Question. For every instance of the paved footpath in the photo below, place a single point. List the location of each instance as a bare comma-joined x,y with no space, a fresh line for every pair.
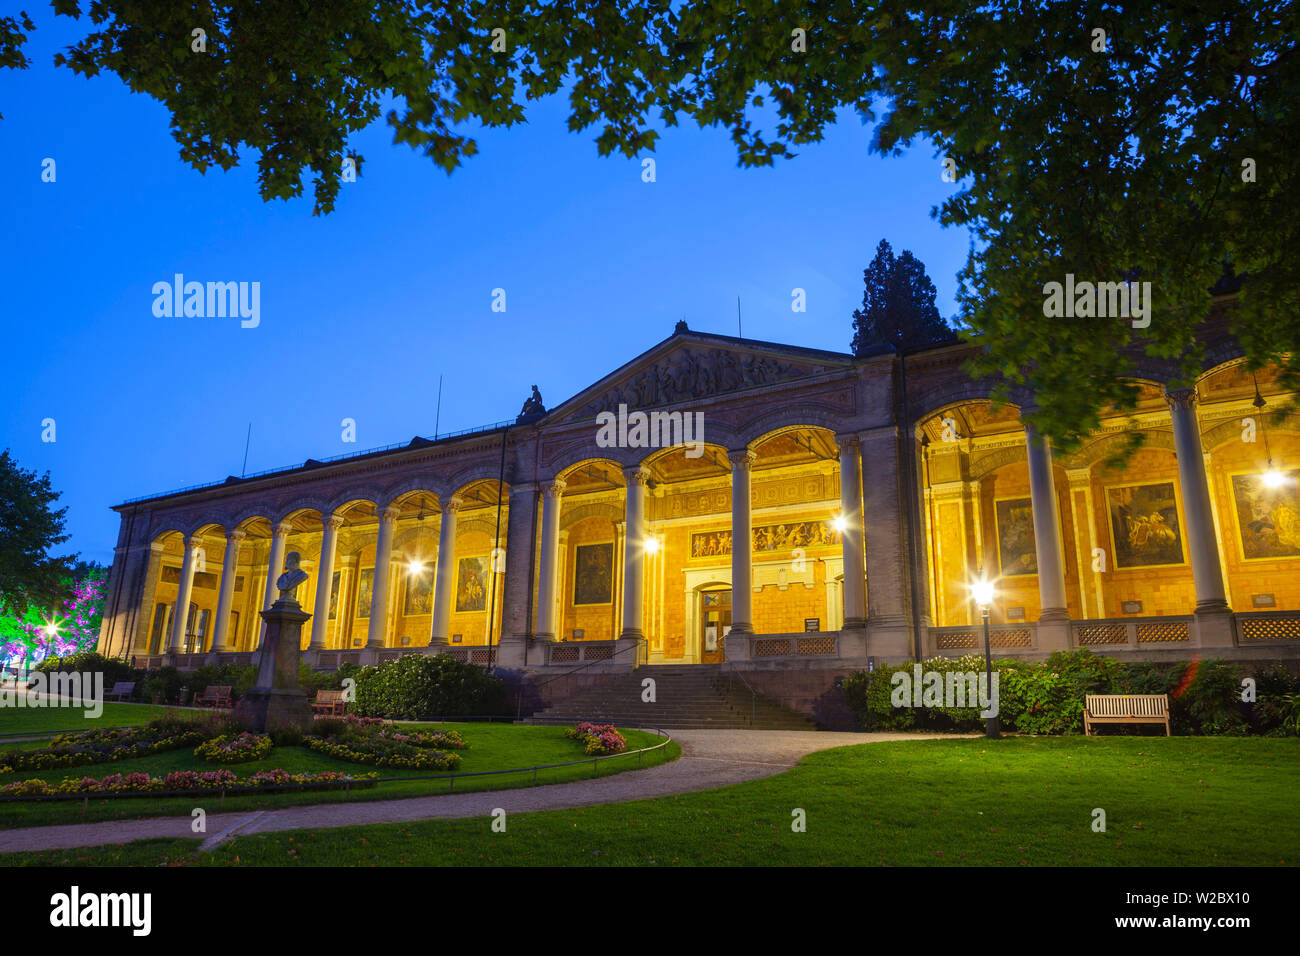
710,758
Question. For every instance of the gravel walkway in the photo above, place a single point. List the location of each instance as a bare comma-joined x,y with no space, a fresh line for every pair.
710,758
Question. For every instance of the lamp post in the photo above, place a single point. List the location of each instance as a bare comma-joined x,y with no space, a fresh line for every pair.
982,591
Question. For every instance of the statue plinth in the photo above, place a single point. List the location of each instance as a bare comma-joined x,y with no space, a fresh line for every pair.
277,700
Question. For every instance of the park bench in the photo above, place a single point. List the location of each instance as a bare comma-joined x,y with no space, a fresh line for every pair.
1125,709
328,702
122,690
216,695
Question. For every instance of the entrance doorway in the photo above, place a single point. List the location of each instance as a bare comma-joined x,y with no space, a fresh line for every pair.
715,624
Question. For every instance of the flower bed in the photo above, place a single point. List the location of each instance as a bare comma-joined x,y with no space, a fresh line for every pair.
381,751
598,738
100,746
234,748
438,739
178,780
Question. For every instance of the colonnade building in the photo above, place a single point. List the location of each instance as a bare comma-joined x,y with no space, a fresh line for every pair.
818,510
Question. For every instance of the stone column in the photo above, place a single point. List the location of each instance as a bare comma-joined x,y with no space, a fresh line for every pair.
634,552
444,582
183,594
742,543
146,610
275,564
520,573
883,516
377,626
226,596
1053,617
552,495
1213,614
855,592
324,580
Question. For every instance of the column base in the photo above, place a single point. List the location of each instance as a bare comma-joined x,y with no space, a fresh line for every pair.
439,642
1053,630
736,647
633,632
263,707
741,628
1214,628
854,623
510,651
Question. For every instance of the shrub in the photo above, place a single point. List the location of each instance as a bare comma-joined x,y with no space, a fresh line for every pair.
416,686
89,662
1048,697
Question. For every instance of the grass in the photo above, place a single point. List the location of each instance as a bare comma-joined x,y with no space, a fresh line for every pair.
1184,801
50,720
493,746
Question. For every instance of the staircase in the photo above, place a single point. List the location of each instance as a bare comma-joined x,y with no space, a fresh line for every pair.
686,696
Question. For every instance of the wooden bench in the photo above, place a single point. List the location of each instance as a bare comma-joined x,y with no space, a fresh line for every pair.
328,702
122,690
216,695
1125,709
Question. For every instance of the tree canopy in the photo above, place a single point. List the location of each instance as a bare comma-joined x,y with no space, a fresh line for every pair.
29,527
898,310
1096,140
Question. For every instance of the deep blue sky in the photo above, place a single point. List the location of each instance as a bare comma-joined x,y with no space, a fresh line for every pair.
363,309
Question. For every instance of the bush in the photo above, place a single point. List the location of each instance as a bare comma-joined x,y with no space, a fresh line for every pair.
1047,697
89,662
416,686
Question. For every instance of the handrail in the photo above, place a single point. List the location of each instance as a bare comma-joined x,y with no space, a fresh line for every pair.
636,646
753,699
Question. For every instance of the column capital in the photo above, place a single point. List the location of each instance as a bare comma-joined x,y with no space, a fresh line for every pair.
638,474
390,513
847,440
237,535
283,529
741,458
1182,399
554,489
331,522
453,503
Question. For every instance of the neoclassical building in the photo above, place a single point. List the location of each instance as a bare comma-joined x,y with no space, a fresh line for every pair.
827,509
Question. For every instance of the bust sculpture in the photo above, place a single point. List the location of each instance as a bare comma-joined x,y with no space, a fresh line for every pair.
292,577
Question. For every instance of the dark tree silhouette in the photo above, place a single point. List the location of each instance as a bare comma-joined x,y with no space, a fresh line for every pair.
28,529
898,309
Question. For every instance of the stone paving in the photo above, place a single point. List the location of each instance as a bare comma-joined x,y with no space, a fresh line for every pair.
710,758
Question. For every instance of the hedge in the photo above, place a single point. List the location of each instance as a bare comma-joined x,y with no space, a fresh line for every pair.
417,686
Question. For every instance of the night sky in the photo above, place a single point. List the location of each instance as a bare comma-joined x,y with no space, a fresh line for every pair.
362,310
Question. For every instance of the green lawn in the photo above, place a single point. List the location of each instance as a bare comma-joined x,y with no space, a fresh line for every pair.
47,720
1183,801
493,746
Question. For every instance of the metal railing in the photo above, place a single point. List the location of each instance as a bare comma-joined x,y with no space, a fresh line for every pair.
417,442
640,645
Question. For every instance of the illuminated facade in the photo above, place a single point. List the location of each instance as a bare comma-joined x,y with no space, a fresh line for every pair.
560,539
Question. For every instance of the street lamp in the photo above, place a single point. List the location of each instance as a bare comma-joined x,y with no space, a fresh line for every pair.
982,592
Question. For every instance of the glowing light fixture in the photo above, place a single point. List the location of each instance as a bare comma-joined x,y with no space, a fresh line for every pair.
1271,478
651,545
840,523
415,567
982,592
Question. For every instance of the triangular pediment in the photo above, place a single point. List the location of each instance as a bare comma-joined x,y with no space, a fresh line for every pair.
691,366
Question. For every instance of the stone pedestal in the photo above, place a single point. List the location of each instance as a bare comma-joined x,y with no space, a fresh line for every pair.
276,700
1215,628
510,651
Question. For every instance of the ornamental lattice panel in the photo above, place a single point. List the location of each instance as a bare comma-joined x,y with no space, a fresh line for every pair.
772,647
601,652
1270,629
480,655
817,645
956,640
1162,632
1017,638
1090,634
564,655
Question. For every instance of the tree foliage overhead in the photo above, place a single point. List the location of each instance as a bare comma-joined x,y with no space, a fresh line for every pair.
1119,155
898,310
28,529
